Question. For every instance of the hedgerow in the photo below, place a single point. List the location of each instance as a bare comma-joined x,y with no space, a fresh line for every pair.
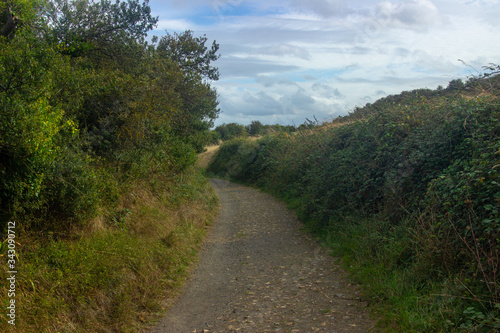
407,191
99,130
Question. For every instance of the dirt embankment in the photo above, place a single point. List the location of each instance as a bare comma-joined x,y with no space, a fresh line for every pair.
259,272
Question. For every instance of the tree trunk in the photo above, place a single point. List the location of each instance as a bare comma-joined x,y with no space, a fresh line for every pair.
10,23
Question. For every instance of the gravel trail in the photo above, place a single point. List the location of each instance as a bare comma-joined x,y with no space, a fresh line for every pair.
259,272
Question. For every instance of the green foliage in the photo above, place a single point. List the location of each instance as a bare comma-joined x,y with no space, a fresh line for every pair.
190,53
81,27
195,97
213,138
28,123
117,278
406,189
223,156
163,159
84,99
255,129
89,113
457,84
231,131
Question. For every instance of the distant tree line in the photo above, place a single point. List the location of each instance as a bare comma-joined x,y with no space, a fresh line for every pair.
230,131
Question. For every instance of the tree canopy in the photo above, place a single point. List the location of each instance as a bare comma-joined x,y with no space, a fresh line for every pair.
81,26
193,57
83,96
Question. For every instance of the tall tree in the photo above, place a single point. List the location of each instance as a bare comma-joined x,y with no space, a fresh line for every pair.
81,26
199,99
255,128
191,53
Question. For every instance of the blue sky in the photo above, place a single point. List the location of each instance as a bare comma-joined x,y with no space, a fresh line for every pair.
283,61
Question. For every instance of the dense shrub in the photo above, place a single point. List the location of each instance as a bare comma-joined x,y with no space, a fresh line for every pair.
415,175
82,104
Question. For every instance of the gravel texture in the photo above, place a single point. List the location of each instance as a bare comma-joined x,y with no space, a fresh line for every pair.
260,272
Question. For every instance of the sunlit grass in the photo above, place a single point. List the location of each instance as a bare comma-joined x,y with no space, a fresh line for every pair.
113,278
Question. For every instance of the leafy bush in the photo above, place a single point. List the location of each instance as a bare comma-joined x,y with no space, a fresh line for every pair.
90,113
411,183
82,103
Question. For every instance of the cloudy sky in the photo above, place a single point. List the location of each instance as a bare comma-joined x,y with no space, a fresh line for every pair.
283,61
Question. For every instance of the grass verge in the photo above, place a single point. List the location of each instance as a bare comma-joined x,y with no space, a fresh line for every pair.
408,294
118,275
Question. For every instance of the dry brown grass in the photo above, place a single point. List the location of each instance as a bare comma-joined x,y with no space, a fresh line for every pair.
204,158
485,95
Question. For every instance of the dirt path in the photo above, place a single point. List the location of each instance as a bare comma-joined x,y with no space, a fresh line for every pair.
258,272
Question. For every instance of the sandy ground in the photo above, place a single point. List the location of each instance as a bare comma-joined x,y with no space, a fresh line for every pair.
259,272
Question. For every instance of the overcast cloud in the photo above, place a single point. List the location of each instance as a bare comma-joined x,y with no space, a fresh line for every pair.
287,60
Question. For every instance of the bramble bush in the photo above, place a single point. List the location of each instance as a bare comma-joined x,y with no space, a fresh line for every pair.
411,184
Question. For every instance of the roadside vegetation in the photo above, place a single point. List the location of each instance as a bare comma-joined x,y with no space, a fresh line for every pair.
407,192
99,135
256,129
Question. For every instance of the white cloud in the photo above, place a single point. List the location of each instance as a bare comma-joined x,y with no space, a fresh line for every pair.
415,14
437,64
174,25
327,91
290,59
323,8
249,67
285,50
480,2
268,81
260,104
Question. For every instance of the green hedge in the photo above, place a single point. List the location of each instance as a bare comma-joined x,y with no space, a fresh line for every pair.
426,170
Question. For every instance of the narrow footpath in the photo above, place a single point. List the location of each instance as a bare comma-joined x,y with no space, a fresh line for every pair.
260,272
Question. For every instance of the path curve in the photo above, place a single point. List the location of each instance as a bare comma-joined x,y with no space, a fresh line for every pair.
259,272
